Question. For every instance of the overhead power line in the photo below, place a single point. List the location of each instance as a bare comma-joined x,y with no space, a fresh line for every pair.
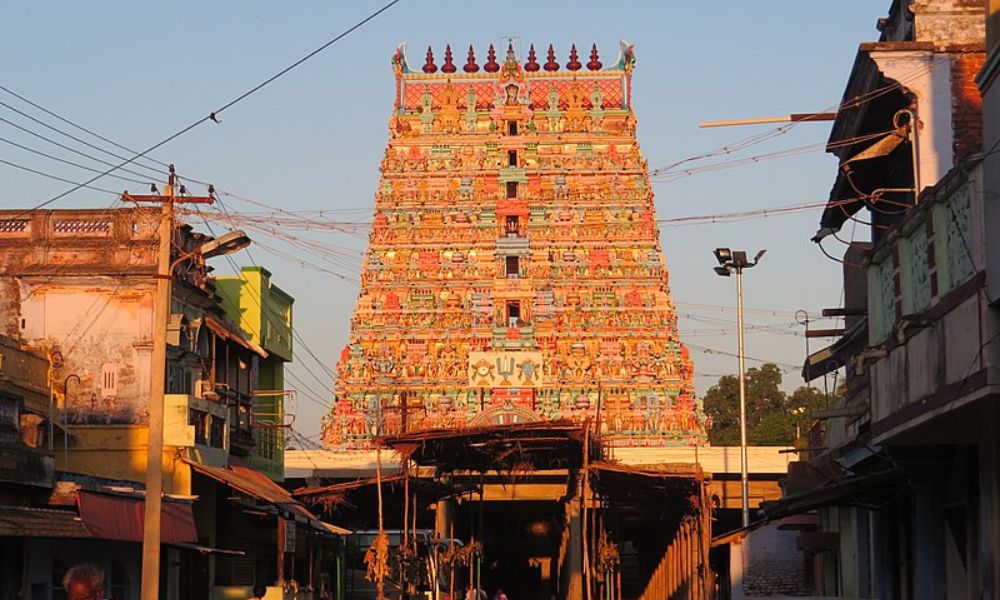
69,148
68,162
156,170
78,126
213,116
56,178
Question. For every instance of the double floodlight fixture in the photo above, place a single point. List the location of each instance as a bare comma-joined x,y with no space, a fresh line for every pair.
730,260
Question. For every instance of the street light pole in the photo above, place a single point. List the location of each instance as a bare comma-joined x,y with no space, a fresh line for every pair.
736,261
744,477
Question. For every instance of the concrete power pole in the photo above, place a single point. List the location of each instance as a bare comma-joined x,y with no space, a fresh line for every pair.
154,458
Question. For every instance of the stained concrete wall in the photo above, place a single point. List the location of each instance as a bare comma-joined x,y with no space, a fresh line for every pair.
103,330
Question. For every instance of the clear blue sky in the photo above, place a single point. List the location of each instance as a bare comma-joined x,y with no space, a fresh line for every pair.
137,72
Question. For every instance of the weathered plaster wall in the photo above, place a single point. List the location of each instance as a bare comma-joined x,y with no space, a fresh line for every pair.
102,328
949,21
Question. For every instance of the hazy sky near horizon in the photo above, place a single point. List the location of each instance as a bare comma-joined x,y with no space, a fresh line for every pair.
137,72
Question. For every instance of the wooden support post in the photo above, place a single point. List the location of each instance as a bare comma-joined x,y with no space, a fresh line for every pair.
671,574
312,557
341,588
482,536
405,542
681,560
584,497
404,400
406,523
451,565
379,580
281,527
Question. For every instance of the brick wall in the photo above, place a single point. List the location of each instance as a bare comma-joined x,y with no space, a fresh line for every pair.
967,104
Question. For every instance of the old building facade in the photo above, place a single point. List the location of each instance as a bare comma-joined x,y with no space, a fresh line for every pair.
78,289
902,473
264,312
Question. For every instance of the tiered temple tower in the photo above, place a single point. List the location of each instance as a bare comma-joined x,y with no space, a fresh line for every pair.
514,271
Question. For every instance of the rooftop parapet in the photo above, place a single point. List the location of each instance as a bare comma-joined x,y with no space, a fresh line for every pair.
625,60
538,83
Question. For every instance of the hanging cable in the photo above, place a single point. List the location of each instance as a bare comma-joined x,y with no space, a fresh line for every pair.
213,116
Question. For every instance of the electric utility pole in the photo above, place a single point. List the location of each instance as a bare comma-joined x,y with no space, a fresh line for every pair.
154,458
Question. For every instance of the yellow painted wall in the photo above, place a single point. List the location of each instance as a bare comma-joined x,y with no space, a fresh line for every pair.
119,452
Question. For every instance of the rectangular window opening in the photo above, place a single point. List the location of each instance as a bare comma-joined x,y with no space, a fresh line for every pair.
512,158
513,266
512,189
511,127
513,313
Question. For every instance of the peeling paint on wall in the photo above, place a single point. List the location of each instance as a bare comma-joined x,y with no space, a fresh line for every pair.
104,336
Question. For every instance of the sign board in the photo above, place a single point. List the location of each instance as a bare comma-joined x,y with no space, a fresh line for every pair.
505,369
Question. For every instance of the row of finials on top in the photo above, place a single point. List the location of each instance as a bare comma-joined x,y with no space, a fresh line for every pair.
492,66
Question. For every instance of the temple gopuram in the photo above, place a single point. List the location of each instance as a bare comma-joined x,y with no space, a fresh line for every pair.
514,271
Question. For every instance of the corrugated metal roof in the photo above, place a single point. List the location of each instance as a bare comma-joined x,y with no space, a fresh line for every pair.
230,331
257,485
29,521
247,481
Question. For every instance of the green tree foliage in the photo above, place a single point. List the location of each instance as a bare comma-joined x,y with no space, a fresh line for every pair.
773,417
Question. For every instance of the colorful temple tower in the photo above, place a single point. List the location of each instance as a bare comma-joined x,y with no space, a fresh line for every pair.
514,271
